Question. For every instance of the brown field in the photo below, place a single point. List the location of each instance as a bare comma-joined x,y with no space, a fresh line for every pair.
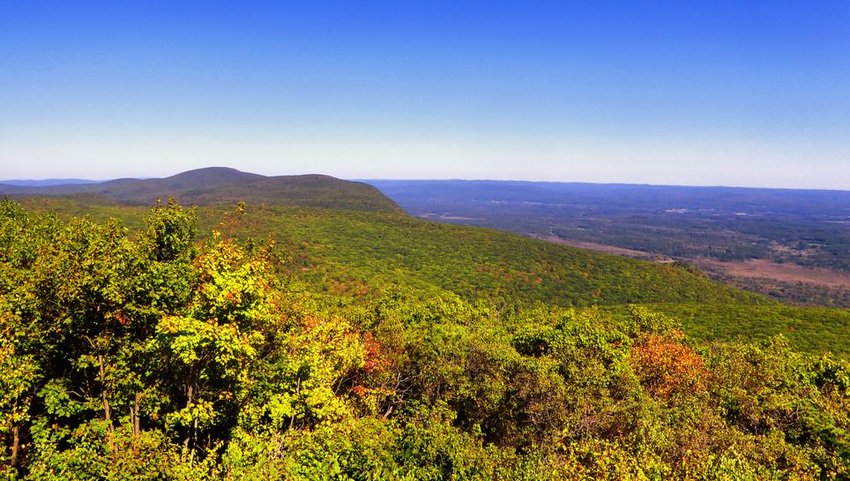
620,251
751,269
441,217
765,269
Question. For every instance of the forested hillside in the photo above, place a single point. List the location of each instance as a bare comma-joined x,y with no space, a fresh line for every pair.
219,185
347,251
167,351
358,256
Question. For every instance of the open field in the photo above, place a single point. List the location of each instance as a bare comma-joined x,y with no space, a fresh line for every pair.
609,249
765,269
791,283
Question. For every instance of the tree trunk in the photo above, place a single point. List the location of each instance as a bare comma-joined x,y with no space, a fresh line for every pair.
194,441
16,442
189,398
137,415
107,410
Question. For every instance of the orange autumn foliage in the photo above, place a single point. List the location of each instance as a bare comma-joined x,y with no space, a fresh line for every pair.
667,367
374,358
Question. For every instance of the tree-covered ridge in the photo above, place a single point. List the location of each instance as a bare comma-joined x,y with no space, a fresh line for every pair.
480,263
358,256
219,185
347,251
152,354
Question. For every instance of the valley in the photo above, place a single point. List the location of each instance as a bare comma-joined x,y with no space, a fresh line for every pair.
780,242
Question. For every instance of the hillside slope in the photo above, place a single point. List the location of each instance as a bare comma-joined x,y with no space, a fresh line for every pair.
219,185
345,251
362,255
477,263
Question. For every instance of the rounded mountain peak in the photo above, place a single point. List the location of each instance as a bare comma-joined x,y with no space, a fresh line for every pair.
212,176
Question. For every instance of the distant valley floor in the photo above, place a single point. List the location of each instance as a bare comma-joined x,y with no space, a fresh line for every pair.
793,245
752,268
620,251
765,269
785,281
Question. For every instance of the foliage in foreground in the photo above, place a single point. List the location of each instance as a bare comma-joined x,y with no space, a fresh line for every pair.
155,356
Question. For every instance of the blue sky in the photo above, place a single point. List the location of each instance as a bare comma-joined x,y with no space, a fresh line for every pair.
707,92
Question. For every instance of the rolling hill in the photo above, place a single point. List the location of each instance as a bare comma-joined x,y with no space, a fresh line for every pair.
220,185
344,251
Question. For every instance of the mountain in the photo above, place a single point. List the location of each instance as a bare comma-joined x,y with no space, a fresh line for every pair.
220,185
47,182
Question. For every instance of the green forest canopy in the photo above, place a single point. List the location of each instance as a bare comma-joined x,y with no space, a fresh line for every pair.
157,353
356,255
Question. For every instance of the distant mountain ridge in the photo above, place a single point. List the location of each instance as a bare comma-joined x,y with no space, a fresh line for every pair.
47,182
223,185
464,196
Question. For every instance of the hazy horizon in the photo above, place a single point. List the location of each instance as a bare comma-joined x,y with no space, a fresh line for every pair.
46,182
661,93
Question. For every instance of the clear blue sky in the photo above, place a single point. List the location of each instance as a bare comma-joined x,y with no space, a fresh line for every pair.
705,92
